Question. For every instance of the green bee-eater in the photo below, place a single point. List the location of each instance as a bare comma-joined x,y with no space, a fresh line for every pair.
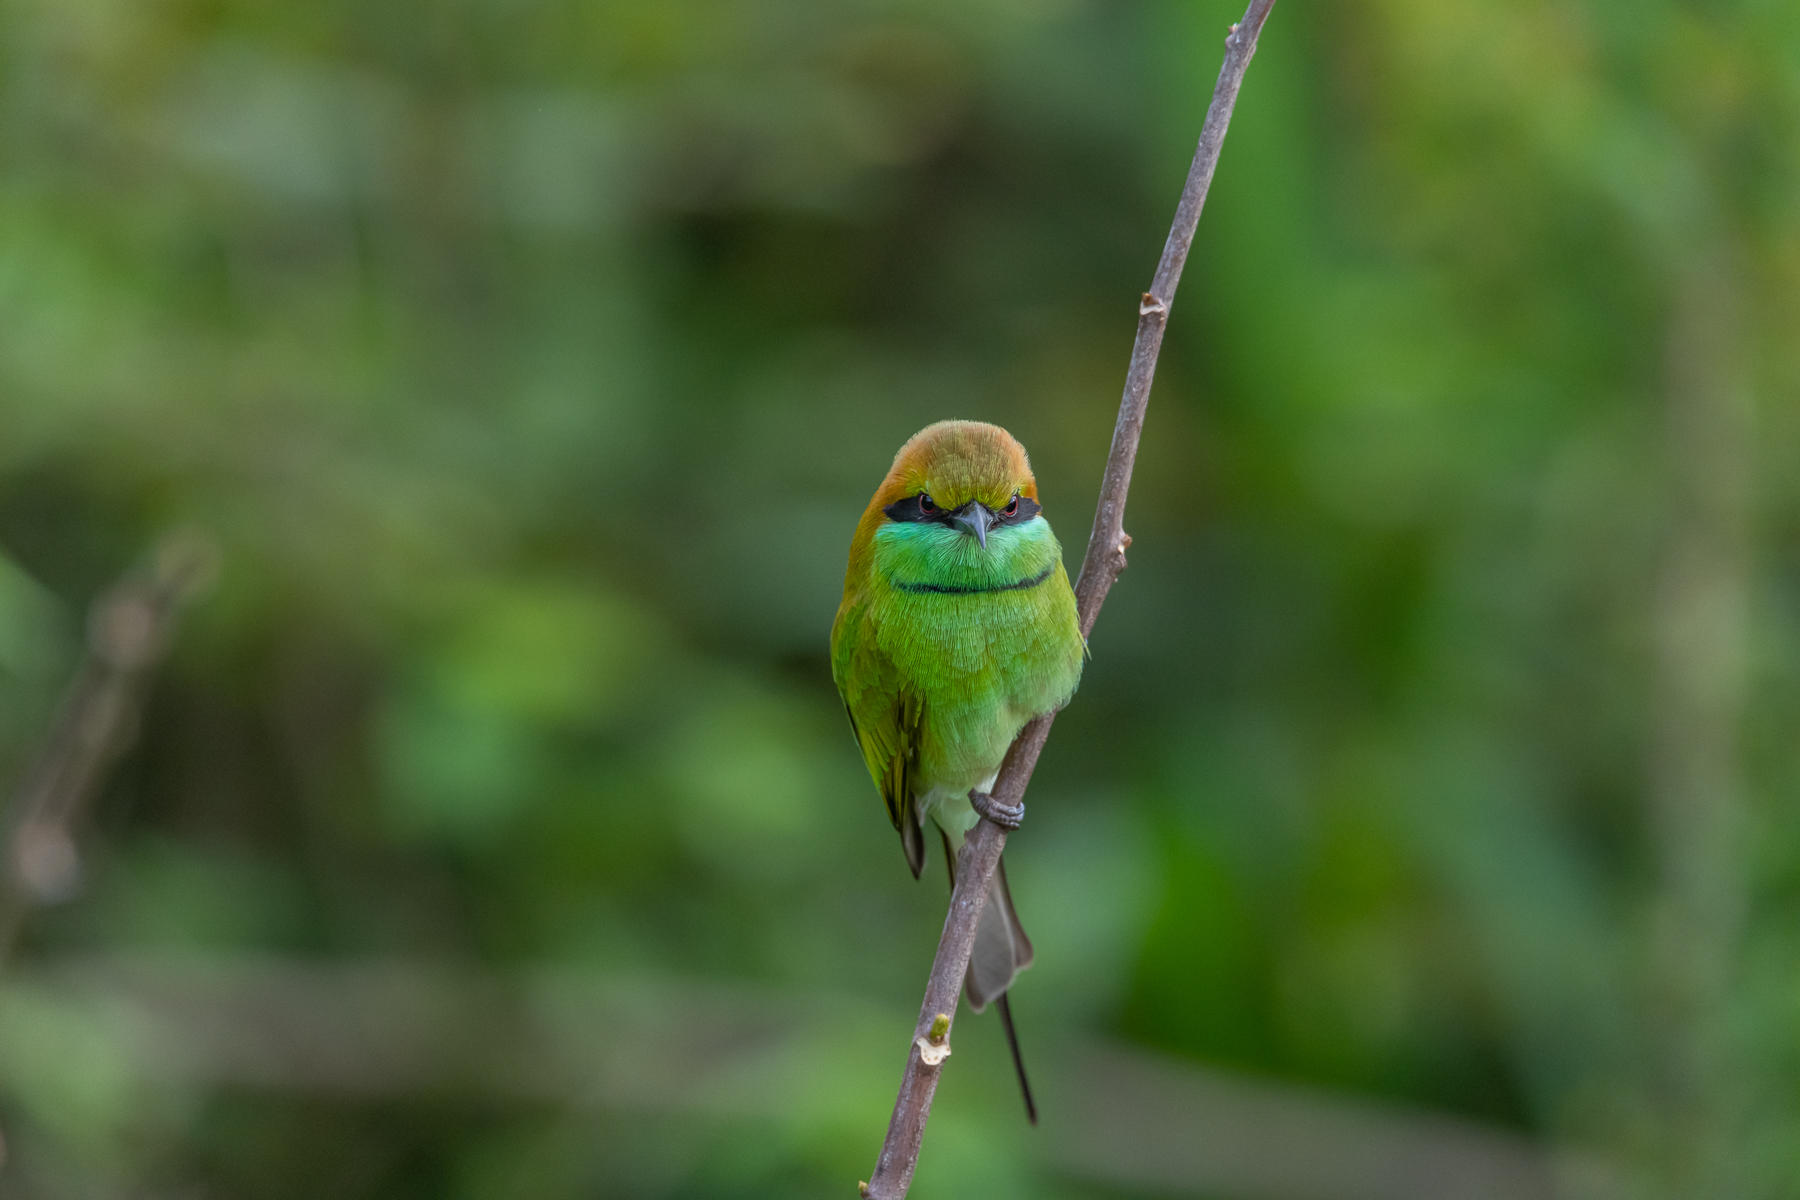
957,627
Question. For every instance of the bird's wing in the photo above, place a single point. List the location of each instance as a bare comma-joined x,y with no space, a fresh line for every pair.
886,717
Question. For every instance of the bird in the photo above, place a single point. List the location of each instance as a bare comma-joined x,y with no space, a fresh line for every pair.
957,627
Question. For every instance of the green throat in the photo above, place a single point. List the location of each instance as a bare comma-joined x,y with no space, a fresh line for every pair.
935,559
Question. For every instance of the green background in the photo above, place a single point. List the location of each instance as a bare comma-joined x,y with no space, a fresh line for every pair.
1424,825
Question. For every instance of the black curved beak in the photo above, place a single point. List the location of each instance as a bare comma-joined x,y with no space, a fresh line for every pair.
976,518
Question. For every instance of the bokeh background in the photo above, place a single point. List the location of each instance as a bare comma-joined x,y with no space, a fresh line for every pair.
515,373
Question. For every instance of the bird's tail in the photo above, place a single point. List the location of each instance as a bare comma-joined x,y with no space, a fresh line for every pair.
1004,1007
1001,951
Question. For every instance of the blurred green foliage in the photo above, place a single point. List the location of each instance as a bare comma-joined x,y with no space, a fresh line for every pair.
530,364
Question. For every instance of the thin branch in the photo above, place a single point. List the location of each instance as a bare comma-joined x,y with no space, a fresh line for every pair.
1101,565
129,628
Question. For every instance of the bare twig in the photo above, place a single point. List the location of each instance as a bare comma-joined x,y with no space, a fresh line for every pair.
1101,565
128,633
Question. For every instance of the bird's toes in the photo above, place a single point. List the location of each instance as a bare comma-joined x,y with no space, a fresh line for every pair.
1007,816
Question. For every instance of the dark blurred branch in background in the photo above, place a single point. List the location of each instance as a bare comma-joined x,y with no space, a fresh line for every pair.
395,1031
129,630
1100,566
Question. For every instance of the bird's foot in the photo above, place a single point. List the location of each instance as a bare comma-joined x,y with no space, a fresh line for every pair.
1006,816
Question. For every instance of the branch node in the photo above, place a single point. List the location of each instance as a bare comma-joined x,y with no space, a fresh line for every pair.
1152,304
862,1188
934,1047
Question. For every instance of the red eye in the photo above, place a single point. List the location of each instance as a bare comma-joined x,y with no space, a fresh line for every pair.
925,504
1012,507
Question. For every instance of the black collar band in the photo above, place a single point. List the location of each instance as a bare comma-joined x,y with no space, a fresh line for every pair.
950,589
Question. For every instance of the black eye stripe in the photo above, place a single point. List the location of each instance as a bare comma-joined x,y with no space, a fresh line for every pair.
1028,508
911,509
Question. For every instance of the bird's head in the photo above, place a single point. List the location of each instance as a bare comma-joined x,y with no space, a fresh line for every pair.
959,510
963,475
